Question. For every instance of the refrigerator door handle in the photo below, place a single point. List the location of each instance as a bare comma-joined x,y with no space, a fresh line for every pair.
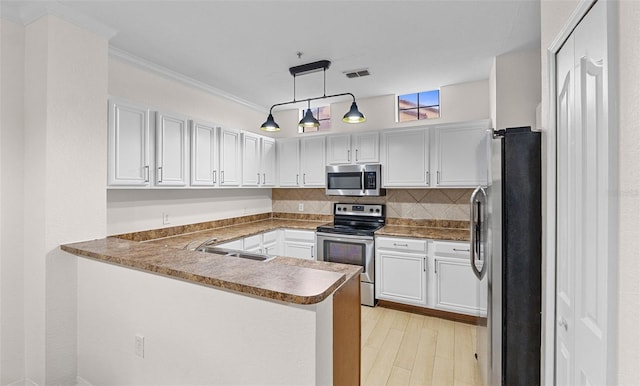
476,223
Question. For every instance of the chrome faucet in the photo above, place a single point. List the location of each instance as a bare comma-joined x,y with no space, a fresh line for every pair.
205,243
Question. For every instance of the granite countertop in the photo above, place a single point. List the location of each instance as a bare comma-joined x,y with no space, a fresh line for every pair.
285,279
422,232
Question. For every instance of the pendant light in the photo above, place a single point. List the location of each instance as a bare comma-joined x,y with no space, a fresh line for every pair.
309,121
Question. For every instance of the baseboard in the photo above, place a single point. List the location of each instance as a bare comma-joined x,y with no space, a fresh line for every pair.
462,318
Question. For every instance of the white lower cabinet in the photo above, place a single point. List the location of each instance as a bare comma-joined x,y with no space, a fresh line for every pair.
454,286
401,270
299,243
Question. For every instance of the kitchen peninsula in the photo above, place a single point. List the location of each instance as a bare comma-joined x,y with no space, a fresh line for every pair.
225,320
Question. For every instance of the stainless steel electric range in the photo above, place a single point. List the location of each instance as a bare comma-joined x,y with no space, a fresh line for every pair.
349,240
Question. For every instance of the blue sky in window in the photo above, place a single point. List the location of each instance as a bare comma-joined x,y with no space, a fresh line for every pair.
430,98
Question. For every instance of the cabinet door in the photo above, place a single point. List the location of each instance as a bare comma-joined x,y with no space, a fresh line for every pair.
461,156
250,160
171,149
128,144
401,277
271,249
299,250
312,161
268,163
366,148
456,287
339,149
288,162
230,157
405,158
204,154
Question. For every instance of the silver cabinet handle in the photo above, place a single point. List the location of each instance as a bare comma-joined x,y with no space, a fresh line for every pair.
214,177
348,155
356,155
461,250
312,255
363,186
304,178
222,176
159,174
297,179
258,178
438,177
424,264
475,219
400,245
146,173
264,178
428,179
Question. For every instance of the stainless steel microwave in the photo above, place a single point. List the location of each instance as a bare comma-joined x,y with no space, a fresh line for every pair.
354,180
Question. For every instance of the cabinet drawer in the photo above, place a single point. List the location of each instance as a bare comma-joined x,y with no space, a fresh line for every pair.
270,237
452,249
294,234
401,244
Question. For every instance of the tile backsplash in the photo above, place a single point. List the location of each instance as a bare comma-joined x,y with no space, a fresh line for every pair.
436,204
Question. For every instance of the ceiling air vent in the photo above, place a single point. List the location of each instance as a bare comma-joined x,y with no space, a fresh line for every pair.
357,73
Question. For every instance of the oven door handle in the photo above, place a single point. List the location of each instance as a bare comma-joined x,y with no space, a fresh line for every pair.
338,236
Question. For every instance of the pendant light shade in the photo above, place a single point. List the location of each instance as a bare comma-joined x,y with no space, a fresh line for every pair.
353,115
270,124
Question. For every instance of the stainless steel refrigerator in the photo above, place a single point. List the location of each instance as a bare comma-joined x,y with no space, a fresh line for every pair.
506,250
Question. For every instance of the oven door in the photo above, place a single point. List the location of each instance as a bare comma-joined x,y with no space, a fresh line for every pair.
348,249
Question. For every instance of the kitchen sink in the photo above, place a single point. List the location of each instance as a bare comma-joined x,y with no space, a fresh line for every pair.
235,253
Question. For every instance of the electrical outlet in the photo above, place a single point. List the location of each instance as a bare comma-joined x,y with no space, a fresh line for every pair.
165,219
300,207
139,347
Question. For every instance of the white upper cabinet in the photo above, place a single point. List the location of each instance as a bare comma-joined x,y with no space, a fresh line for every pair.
204,154
172,135
230,160
353,148
312,161
405,158
268,163
460,156
288,155
258,160
250,159
128,144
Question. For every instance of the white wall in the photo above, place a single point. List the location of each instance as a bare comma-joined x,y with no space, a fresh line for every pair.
458,103
628,68
194,335
134,210
65,148
11,203
130,211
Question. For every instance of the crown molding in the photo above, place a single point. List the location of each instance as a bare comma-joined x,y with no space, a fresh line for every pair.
173,75
28,12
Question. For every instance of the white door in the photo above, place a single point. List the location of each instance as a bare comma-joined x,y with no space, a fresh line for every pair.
583,206
366,148
229,157
401,277
312,161
268,163
204,153
250,160
461,156
405,156
172,133
339,149
288,162
128,144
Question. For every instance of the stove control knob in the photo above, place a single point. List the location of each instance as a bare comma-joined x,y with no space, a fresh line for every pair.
339,208
371,210
378,210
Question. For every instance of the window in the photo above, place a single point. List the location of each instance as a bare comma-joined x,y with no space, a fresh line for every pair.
322,114
421,105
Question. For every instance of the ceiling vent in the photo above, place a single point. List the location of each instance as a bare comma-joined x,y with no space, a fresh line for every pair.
357,73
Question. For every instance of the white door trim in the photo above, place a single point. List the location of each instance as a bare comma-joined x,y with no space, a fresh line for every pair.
549,261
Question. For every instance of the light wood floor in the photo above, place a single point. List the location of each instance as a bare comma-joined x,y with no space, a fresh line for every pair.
400,348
